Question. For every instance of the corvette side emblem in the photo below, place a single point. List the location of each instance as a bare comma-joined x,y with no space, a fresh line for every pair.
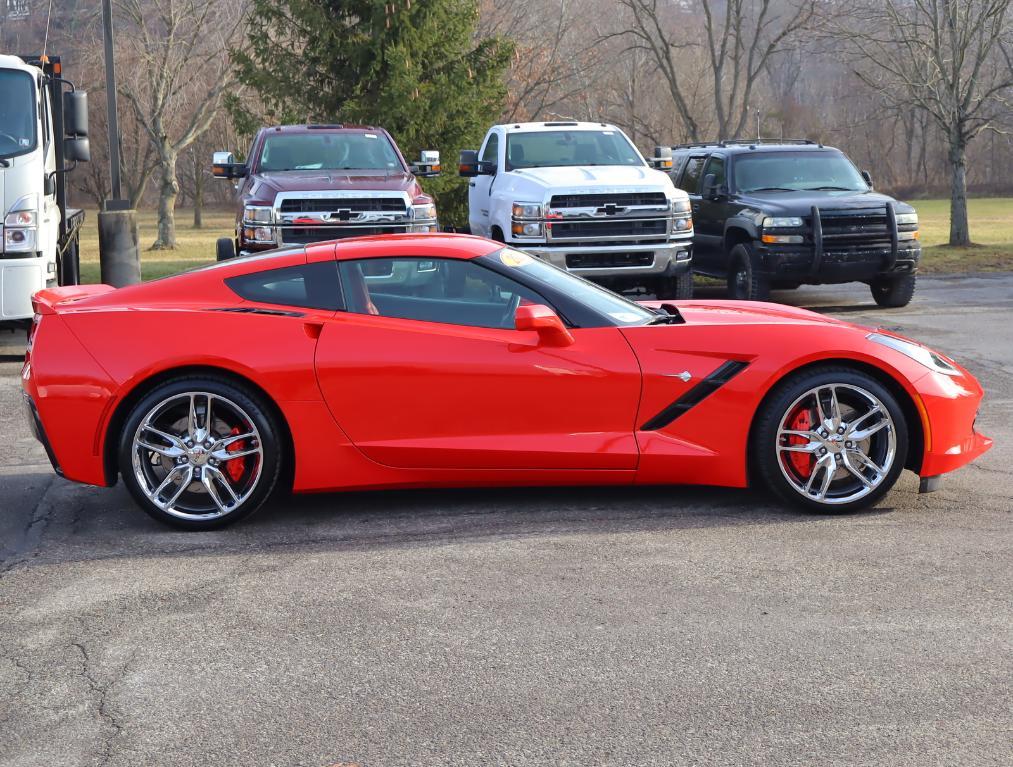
684,376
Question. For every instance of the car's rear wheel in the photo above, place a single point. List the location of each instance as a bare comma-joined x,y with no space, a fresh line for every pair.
200,452
745,282
831,439
893,292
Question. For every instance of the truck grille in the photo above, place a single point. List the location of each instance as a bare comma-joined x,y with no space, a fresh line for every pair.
608,260
842,228
598,200
610,227
334,204
303,235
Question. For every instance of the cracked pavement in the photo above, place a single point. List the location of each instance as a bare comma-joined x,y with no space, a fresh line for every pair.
646,626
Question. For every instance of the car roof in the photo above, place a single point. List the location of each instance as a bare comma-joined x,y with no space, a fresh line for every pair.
544,127
742,148
322,128
435,244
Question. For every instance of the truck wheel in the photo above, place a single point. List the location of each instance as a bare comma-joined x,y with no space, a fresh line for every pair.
744,282
893,292
679,287
225,248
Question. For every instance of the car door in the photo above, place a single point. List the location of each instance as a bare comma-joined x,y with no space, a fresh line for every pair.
692,176
709,214
480,187
425,370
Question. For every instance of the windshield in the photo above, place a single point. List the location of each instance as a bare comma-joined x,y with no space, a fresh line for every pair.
328,151
623,312
543,149
17,113
797,171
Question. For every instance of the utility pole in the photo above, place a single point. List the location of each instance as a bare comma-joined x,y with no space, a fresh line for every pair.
119,250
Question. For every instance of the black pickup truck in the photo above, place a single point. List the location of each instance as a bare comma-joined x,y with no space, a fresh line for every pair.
780,214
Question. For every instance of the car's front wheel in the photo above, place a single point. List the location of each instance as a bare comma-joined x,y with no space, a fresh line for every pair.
830,439
893,292
200,452
745,282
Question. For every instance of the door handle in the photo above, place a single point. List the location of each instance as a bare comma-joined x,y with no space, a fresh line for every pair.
313,329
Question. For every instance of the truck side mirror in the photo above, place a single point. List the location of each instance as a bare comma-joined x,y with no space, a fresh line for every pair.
868,178
468,166
662,159
428,165
75,113
551,330
77,149
711,190
224,165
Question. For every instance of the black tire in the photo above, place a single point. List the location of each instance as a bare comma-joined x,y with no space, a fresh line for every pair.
225,248
679,287
893,292
766,454
228,394
745,283
497,234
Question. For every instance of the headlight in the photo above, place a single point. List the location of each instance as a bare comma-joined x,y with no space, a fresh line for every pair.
907,218
258,214
775,223
19,240
20,218
917,352
261,234
680,206
426,210
526,229
527,210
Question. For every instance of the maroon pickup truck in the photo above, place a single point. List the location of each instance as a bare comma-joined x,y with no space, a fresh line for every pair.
308,183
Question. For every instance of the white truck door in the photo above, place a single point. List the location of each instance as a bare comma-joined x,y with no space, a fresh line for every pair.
480,187
49,227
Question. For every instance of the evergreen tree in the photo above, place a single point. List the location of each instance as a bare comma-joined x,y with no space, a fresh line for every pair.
413,67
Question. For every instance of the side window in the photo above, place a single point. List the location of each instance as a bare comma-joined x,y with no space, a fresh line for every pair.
44,100
716,165
308,286
491,152
451,291
691,176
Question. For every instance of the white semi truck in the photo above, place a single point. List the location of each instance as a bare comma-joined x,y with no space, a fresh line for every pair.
580,196
43,134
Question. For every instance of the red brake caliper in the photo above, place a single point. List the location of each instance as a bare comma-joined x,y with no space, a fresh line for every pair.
802,462
236,466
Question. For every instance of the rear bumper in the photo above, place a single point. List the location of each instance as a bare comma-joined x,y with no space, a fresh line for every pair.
798,263
623,260
35,425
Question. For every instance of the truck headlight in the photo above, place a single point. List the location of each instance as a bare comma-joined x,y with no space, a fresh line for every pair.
258,214
20,218
527,210
20,240
680,206
921,354
781,222
424,211
526,229
907,218
21,225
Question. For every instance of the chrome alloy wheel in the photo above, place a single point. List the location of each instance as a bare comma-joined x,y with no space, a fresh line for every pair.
836,443
197,456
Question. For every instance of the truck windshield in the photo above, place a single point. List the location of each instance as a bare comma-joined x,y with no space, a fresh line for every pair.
328,151
547,149
797,171
17,113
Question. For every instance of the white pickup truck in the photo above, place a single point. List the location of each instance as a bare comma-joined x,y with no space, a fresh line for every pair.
581,196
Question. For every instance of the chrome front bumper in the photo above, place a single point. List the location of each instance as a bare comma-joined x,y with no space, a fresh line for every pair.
668,258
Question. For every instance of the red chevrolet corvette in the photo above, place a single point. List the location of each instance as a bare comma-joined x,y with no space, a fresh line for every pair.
436,360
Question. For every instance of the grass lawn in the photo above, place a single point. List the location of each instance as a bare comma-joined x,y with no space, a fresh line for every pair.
991,229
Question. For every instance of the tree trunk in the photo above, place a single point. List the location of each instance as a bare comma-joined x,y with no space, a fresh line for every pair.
198,192
959,231
167,192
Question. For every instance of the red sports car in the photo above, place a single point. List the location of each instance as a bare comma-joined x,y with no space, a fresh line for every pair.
436,360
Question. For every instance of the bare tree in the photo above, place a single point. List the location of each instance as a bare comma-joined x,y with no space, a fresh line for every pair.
739,37
179,49
951,58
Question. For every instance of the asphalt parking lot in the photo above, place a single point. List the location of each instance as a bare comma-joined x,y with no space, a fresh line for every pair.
646,626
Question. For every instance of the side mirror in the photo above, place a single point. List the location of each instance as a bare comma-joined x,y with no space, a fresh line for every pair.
662,159
428,165
868,178
468,167
711,190
224,165
551,330
49,185
75,113
77,149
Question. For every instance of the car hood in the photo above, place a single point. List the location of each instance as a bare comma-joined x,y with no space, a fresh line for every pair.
580,179
801,203
267,185
747,313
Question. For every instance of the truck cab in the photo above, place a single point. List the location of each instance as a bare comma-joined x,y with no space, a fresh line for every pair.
581,196
309,183
36,226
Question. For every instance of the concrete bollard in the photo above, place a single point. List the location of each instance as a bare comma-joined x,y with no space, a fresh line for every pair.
119,249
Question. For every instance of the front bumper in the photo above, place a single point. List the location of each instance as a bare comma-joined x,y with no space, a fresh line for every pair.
799,263
650,260
950,405
20,279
